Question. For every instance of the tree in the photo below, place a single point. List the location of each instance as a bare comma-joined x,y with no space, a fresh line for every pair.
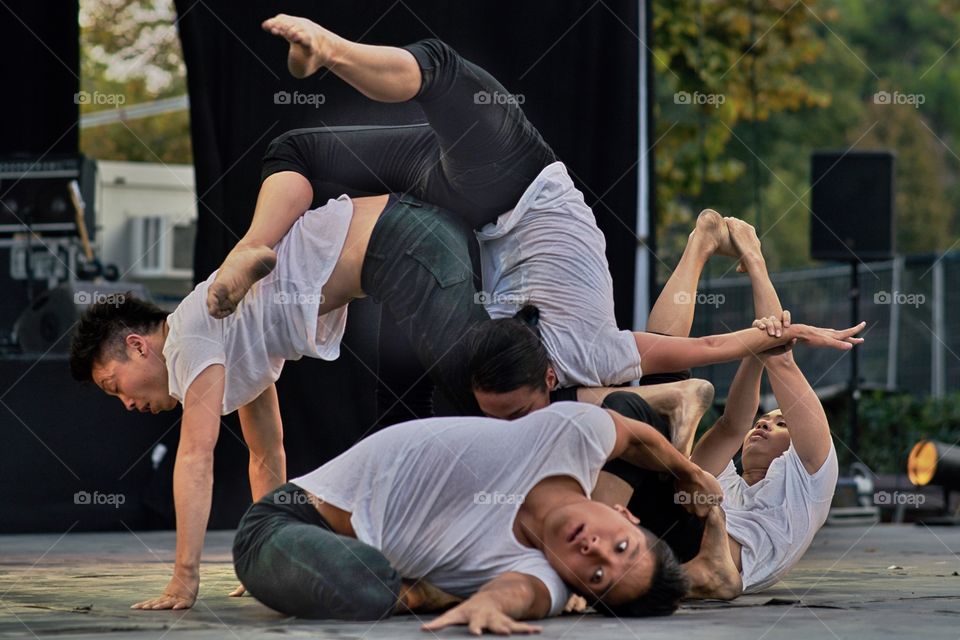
130,53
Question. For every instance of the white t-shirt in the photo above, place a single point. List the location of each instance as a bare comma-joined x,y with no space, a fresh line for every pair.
438,497
549,252
776,519
276,321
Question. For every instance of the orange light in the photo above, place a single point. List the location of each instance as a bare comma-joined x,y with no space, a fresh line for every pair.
922,463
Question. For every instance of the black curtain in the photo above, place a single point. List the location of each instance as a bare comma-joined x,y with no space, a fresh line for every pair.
40,53
575,63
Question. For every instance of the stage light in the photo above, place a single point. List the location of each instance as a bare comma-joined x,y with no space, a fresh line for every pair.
932,462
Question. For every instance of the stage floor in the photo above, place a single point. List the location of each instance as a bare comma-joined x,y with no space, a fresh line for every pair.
855,582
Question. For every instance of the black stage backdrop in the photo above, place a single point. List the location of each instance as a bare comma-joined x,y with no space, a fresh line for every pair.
575,64
40,54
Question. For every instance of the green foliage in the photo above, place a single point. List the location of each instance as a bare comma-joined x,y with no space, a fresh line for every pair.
130,53
814,68
891,424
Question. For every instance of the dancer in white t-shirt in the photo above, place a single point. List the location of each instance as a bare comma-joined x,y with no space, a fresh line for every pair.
496,512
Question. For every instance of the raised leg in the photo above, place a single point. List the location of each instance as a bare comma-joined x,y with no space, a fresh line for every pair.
490,151
672,313
283,198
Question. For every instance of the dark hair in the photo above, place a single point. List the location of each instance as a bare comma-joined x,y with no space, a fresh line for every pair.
507,353
668,586
104,327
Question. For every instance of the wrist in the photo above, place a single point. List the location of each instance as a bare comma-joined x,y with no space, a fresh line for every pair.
186,571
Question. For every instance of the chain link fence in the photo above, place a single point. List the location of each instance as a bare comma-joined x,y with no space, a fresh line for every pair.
911,306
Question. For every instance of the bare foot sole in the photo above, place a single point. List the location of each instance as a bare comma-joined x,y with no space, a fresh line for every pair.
311,46
711,227
242,268
744,239
693,398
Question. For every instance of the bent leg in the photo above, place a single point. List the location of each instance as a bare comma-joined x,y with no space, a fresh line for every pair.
489,151
288,558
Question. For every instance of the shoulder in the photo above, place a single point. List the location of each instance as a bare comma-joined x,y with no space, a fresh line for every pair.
819,485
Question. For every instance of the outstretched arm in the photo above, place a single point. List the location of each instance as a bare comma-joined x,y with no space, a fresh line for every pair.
801,409
499,605
660,354
193,487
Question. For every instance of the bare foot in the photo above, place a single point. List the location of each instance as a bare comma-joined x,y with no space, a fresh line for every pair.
744,239
311,46
712,572
713,233
242,268
693,398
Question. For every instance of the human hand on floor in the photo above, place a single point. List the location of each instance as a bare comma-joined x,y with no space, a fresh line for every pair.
576,604
181,593
480,613
239,591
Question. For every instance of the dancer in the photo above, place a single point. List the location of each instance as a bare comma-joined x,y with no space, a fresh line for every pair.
492,511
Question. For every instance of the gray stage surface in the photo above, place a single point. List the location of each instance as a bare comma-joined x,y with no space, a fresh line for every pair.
883,581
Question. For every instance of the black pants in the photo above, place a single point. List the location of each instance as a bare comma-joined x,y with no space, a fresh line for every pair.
653,500
476,155
290,559
418,265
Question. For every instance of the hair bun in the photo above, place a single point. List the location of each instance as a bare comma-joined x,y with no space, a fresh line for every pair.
529,315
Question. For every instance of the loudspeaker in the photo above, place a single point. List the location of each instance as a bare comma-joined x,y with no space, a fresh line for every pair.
47,325
852,205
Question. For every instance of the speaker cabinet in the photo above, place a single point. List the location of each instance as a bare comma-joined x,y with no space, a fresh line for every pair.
852,203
